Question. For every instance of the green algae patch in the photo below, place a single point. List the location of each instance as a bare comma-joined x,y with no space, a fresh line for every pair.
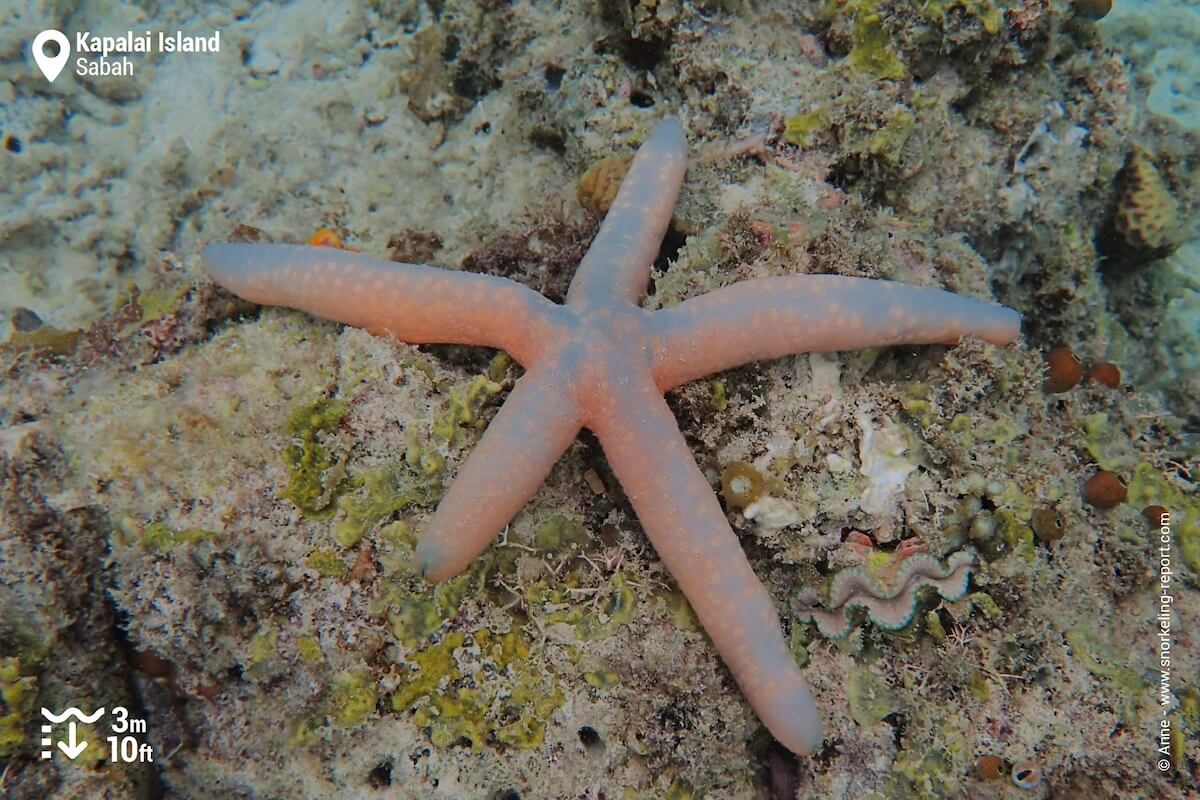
263,647
609,607
46,339
308,648
983,602
18,702
414,616
451,593
617,610
680,790
1015,534
353,699
978,686
1002,430
327,563
159,302
1102,445
933,624
316,478
1103,662
719,397
426,459
463,413
414,611
871,53
889,141
559,534
914,401
868,697
383,492
682,612
161,538
302,733
799,130
602,678
1149,487
496,695
989,14
930,773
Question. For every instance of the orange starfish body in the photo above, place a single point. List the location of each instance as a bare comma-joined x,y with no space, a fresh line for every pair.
602,362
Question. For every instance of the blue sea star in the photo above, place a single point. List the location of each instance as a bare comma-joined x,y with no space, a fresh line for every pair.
602,362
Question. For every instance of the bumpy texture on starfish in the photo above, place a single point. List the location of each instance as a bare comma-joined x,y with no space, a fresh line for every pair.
602,362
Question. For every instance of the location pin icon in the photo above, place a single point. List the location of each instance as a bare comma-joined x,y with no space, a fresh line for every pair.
51,65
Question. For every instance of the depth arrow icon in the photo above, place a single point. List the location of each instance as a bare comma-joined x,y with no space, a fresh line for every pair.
73,749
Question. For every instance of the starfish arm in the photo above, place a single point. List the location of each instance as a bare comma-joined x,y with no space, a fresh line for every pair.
685,523
537,422
770,317
413,303
619,260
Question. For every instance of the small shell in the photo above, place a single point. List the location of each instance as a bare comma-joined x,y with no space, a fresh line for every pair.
1146,219
1027,774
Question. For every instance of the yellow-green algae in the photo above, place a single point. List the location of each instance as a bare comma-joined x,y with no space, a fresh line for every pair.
680,790
507,696
914,400
263,646
989,14
426,459
1016,534
155,303
601,678
465,405
799,129
159,536
353,699
314,483
888,141
929,773
308,648
933,624
871,51
978,686
1098,439
1148,487
1102,661
984,603
327,563
18,693
379,493
413,611
592,621
559,534
719,399
868,697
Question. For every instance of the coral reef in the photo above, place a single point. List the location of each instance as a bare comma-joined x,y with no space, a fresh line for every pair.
149,556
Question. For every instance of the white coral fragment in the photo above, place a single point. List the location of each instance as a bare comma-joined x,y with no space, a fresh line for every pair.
885,465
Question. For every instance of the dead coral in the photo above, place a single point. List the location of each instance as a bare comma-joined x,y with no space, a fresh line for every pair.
542,253
59,642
